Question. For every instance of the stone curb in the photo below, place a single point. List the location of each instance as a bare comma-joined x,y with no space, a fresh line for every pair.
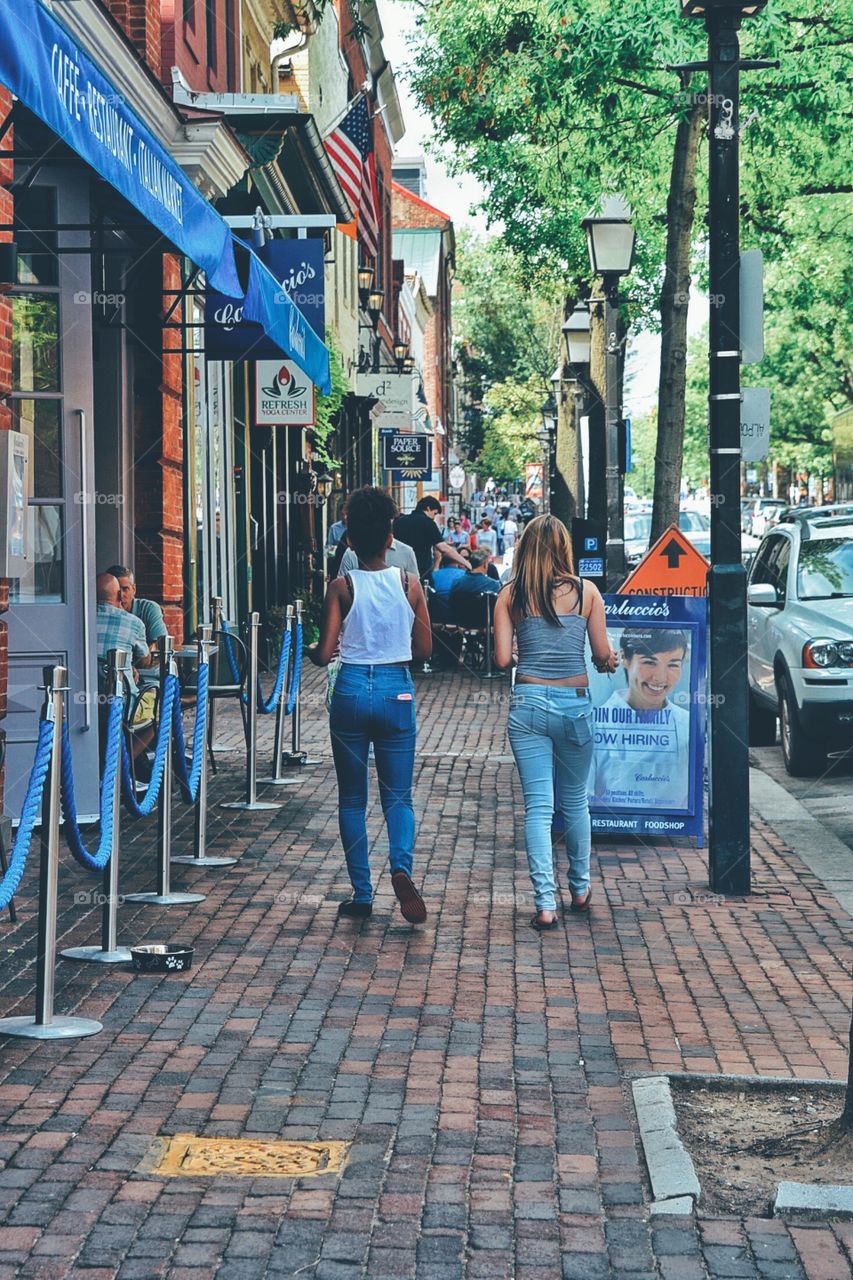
810,1200
674,1183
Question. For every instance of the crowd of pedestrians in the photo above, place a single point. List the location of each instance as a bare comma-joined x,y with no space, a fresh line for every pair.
376,623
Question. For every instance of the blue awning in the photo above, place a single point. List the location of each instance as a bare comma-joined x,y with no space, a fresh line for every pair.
58,82
267,304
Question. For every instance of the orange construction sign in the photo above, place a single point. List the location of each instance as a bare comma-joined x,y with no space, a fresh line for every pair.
672,567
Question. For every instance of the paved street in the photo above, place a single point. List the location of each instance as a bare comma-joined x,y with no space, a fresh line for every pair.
478,1072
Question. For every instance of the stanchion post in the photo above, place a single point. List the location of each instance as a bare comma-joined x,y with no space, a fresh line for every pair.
199,857
164,897
276,778
296,756
109,952
45,1025
252,802
216,616
490,673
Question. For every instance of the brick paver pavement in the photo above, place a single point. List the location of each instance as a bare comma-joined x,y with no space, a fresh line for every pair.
478,1070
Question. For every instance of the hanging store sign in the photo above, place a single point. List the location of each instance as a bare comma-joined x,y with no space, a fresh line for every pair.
298,266
283,395
392,393
42,65
405,452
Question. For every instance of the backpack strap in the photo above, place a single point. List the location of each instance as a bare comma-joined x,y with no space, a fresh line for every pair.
350,587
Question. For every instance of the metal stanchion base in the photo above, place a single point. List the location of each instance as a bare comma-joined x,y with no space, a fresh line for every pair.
225,751
95,955
296,759
490,675
58,1029
257,804
165,899
187,860
278,782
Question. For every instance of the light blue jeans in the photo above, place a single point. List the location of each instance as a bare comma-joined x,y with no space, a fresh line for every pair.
551,735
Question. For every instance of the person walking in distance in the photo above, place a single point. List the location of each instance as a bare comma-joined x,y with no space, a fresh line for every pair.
547,612
379,616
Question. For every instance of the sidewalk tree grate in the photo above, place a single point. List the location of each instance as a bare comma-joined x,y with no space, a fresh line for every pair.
186,1156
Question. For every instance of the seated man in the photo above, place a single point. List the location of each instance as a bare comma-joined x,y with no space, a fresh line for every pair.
478,582
444,578
120,629
148,611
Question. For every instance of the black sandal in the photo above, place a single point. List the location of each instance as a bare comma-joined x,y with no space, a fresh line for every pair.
540,925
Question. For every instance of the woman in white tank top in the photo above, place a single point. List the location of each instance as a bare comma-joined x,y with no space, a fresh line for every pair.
378,616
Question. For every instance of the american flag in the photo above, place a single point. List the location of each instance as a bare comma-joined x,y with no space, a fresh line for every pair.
350,148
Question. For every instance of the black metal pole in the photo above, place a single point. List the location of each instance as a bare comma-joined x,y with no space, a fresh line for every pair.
729,867
615,562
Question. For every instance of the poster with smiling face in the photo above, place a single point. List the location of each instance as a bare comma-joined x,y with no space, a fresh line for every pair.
649,717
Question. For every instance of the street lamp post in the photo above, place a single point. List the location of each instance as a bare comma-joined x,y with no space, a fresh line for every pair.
576,329
546,440
729,861
611,238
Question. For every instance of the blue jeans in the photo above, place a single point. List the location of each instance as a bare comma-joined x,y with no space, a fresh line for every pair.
374,704
550,732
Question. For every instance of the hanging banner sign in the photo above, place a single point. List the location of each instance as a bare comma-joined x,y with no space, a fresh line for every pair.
411,476
649,718
283,395
406,452
298,266
533,481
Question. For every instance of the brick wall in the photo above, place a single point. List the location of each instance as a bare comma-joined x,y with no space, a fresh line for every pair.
140,21
158,455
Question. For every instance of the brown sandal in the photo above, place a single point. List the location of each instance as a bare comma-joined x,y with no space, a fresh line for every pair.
411,903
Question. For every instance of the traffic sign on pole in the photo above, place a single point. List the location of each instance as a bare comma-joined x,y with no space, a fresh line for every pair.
672,567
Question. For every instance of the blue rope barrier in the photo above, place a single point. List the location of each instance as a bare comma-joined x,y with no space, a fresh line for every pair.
266,706
297,672
143,808
29,815
188,780
93,861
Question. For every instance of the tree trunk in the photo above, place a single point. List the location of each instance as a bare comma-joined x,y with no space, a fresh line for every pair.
596,498
845,1120
680,206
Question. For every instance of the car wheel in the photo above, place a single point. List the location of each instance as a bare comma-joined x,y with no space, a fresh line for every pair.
801,756
762,723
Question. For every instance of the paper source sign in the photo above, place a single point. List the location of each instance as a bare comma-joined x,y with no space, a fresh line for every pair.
283,395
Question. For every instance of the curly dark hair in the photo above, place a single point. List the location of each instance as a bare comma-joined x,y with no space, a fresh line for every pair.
370,512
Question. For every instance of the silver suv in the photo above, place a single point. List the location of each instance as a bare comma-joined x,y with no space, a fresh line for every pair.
800,637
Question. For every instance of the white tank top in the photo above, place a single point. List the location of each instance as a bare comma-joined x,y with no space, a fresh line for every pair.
378,627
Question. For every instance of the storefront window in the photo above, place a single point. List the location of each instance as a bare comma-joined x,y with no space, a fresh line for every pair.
35,343
40,420
43,581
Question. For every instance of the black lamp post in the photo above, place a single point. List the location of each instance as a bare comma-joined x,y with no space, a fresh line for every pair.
374,310
546,439
611,237
729,755
365,283
576,330
401,351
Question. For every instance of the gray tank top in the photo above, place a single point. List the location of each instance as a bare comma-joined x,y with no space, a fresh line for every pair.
550,652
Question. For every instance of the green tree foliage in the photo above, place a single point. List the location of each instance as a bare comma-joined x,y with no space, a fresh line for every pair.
511,419
504,331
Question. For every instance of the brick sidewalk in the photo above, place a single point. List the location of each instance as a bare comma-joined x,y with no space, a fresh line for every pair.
478,1070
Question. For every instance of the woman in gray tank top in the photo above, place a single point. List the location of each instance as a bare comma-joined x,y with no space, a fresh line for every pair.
543,618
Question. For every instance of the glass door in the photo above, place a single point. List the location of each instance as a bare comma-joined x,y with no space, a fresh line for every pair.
51,618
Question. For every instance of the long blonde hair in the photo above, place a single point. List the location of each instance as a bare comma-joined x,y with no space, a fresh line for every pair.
543,561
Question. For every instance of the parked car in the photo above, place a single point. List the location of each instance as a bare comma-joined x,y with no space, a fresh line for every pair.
800,637
765,512
638,528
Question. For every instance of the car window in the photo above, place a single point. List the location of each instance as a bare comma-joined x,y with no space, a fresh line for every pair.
638,527
762,565
825,571
779,568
